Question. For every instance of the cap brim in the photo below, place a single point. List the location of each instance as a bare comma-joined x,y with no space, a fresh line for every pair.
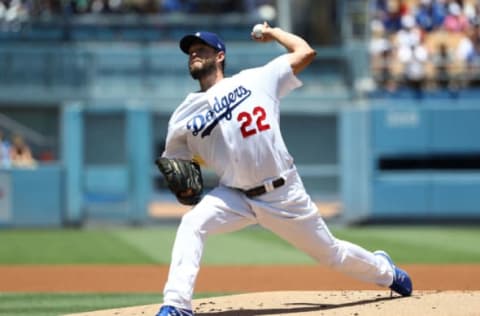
188,40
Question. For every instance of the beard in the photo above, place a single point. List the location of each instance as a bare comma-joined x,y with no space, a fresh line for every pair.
208,67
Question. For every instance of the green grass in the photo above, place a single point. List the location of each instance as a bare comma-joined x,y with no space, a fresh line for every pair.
40,304
420,244
152,245
67,247
14,304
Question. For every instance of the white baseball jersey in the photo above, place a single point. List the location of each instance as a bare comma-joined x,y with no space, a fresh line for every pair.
234,126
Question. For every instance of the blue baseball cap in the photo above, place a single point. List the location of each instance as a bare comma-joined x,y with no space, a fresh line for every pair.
211,39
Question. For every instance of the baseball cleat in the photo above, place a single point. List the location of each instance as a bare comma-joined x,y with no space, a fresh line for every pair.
402,284
168,310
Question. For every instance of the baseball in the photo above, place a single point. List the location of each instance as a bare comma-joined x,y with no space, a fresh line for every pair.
258,31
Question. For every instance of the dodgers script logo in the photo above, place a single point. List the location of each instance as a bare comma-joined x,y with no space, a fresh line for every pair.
222,109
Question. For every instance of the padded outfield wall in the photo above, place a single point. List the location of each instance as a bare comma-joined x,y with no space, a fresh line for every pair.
381,162
105,168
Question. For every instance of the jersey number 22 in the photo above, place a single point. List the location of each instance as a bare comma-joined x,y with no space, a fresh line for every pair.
246,119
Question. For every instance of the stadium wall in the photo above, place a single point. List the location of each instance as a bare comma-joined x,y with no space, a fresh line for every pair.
384,163
411,162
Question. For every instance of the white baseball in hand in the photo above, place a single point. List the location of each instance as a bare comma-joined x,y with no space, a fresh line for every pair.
258,31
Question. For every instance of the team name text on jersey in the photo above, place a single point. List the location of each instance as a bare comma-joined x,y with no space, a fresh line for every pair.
222,109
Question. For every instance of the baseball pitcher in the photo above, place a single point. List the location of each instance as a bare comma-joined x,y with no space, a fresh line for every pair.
232,124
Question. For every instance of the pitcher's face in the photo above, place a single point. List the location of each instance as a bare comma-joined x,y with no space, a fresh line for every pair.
202,60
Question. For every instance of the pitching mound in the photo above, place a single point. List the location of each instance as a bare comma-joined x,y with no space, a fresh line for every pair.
369,303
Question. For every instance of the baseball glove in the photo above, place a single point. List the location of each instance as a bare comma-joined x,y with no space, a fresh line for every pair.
183,177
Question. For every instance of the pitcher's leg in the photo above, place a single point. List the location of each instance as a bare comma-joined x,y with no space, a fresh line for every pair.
290,213
310,234
210,216
360,263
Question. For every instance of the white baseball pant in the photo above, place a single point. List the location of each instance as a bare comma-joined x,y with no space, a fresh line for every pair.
286,211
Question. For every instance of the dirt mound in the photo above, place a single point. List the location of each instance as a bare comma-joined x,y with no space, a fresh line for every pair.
370,303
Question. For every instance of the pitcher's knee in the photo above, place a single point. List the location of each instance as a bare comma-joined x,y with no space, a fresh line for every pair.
190,222
193,221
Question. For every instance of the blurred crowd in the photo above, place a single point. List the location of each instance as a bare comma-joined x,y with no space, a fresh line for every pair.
21,9
425,44
15,14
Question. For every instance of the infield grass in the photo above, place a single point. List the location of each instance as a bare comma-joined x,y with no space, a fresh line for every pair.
40,304
14,304
152,245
